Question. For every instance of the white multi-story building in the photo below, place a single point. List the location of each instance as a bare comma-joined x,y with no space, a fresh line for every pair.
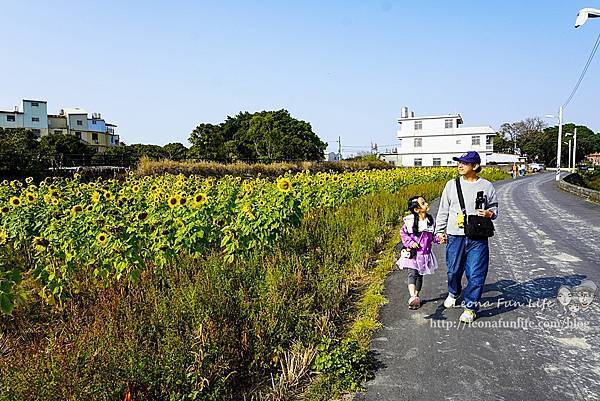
33,115
435,140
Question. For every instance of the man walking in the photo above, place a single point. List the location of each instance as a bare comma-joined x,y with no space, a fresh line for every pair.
466,255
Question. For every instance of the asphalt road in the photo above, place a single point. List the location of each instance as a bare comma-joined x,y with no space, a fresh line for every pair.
545,238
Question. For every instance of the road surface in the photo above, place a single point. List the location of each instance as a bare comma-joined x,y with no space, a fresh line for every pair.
532,348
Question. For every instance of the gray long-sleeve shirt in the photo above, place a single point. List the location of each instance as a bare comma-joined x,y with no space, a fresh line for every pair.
450,206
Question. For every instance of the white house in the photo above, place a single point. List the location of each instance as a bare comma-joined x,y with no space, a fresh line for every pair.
33,115
434,140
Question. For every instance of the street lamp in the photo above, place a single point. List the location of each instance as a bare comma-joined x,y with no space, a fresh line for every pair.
570,143
584,14
559,147
574,152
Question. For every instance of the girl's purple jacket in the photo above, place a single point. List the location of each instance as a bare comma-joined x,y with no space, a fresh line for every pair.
424,239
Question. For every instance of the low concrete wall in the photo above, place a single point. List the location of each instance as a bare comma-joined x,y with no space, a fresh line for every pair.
585,193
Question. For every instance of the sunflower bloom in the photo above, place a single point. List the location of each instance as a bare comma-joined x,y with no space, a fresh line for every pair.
173,201
30,197
200,199
15,202
102,238
284,185
40,244
76,209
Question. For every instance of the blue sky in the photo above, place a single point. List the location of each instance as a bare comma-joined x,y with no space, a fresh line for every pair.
157,69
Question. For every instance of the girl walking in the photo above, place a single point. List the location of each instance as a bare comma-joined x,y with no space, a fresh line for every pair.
417,236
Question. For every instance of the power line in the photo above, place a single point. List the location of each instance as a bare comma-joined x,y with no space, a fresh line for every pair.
589,61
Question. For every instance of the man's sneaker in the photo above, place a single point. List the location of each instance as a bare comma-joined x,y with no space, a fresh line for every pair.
467,316
450,301
414,302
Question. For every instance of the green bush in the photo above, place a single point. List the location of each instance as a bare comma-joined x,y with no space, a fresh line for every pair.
348,362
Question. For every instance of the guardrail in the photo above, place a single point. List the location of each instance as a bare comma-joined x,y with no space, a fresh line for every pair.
586,193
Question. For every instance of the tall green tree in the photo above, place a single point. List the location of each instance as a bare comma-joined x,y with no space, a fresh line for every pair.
587,142
175,151
264,136
18,150
66,144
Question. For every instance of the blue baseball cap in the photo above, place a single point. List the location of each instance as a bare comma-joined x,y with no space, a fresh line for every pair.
469,157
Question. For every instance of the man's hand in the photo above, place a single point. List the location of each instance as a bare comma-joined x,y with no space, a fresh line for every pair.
485,213
443,238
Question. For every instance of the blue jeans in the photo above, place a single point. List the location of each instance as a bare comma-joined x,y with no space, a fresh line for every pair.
470,256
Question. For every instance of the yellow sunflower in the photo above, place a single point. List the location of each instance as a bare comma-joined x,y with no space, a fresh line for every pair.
173,201
15,202
102,238
284,185
200,198
40,244
76,209
30,197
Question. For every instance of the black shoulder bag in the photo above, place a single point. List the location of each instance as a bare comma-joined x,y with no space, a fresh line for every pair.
476,227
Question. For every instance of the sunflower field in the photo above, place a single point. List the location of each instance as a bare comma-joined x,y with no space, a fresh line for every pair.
184,287
63,229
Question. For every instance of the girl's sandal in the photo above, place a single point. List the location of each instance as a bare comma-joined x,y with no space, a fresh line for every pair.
414,302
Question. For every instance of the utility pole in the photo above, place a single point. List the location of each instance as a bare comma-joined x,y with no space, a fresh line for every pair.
559,148
339,148
574,149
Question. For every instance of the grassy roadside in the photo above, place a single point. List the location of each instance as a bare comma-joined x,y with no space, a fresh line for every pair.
203,330
350,360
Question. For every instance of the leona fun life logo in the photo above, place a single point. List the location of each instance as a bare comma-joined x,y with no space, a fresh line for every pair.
577,298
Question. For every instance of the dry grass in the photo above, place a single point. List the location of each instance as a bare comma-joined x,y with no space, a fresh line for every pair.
213,169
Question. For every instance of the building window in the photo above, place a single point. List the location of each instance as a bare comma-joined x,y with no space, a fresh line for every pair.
392,163
35,104
418,142
448,123
437,161
458,141
35,119
79,122
475,141
94,122
418,162
489,140
58,131
418,125
94,136
449,162
10,118
78,135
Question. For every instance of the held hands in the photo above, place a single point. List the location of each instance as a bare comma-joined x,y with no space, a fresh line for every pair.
485,213
414,245
443,238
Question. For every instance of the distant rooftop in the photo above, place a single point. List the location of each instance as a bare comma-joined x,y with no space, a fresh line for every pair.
73,110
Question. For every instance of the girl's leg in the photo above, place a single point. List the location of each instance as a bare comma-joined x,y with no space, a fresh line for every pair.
412,290
418,283
412,281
